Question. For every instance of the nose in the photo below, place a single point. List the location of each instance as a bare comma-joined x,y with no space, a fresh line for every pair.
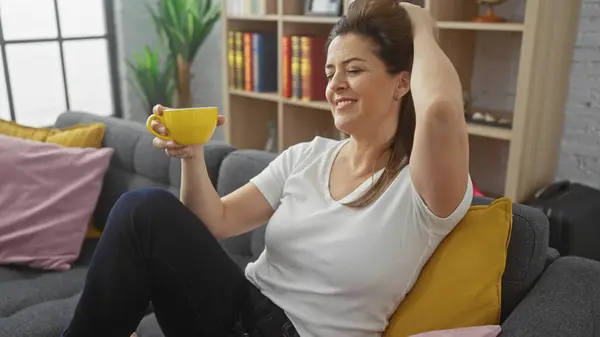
338,83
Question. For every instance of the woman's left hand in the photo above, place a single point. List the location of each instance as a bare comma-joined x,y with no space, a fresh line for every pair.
419,17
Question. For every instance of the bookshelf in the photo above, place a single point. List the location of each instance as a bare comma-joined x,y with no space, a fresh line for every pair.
514,159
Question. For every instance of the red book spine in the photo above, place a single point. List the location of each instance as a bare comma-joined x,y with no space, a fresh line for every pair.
314,82
286,62
248,65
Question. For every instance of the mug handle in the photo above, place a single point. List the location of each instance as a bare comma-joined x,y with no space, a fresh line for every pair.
160,119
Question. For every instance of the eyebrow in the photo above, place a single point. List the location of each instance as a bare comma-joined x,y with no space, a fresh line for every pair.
346,61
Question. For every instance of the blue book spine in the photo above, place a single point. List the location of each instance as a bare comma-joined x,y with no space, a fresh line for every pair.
265,71
256,52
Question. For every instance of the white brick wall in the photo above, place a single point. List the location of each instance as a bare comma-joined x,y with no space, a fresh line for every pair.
580,148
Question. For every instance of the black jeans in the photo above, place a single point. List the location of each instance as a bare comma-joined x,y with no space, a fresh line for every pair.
155,250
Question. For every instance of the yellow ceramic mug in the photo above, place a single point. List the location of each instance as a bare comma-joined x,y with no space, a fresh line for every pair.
186,126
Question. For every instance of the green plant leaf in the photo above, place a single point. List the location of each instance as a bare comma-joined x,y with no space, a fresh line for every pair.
153,84
201,6
182,27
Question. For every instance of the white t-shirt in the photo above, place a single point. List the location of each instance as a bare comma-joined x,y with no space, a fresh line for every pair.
336,270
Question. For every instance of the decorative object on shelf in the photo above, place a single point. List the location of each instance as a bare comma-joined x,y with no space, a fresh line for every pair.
183,26
488,118
489,13
323,7
153,80
485,118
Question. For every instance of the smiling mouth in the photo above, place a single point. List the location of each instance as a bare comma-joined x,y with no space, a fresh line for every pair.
344,103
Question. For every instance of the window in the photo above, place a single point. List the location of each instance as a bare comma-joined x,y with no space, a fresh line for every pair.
57,55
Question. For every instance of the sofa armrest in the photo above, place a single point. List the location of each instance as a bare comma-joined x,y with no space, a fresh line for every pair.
564,302
551,256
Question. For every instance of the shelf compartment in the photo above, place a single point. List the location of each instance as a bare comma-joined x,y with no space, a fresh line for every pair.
320,105
248,121
256,24
303,124
306,28
481,26
265,96
296,7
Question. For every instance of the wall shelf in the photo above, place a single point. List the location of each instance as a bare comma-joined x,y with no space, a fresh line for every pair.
319,105
465,25
489,131
268,17
267,96
310,19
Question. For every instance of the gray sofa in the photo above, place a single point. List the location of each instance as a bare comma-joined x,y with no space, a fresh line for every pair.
542,294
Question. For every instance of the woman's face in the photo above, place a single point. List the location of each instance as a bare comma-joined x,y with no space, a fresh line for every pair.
359,88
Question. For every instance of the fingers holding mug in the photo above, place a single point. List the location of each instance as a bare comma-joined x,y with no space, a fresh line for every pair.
158,109
155,124
159,127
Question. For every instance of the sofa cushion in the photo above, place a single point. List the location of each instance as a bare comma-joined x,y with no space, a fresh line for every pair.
33,287
136,162
527,254
49,194
80,135
460,285
236,170
43,319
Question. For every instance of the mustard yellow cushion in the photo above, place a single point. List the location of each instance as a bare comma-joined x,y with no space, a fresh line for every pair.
460,286
13,129
81,135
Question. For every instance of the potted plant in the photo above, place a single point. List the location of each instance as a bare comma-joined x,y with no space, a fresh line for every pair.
153,80
183,26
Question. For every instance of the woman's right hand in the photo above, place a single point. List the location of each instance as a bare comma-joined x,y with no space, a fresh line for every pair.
171,147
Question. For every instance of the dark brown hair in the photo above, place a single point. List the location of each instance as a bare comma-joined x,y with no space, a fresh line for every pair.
388,25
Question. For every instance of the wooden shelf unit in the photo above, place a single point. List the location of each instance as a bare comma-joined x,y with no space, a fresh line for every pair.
513,162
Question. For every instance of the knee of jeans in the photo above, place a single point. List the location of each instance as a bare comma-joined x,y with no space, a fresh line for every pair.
147,198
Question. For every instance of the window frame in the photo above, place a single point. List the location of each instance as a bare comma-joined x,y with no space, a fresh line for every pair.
109,36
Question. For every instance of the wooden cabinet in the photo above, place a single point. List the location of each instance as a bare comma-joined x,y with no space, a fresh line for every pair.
513,159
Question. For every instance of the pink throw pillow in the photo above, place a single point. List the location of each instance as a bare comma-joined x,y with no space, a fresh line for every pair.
475,331
48,193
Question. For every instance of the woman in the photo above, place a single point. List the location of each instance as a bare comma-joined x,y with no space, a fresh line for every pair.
350,223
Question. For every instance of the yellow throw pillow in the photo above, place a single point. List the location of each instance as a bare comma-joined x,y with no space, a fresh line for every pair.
460,286
13,129
80,135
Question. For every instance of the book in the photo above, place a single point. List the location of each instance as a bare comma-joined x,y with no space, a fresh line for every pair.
239,60
286,64
231,58
248,82
264,56
296,71
312,68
